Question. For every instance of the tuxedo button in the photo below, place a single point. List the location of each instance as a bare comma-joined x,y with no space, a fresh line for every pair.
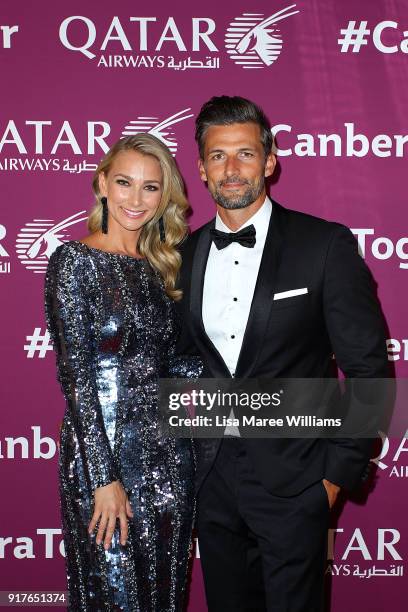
235,299
236,262
232,336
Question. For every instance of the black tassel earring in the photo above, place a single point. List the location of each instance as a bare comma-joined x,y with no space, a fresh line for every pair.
104,215
162,230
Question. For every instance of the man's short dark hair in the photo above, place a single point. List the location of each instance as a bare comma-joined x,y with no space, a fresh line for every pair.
225,110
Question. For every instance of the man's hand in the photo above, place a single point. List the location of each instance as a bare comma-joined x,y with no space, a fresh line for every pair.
332,491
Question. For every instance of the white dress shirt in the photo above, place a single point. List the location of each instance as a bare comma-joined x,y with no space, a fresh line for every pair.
229,285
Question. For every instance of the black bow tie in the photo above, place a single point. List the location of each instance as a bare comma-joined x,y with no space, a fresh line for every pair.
246,237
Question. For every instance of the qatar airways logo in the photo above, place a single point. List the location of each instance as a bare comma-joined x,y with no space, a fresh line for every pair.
55,143
365,554
38,239
143,42
161,128
254,41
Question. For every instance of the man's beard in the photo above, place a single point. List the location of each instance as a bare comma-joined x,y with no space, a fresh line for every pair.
236,201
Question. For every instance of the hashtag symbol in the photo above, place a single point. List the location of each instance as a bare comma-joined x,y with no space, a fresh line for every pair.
38,342
353,36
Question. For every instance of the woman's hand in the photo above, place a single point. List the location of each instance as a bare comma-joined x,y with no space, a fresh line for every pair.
111,502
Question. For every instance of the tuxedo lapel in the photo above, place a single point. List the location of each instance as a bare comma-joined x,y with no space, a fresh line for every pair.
213,358
264,289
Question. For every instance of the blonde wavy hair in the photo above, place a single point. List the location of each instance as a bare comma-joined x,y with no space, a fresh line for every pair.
163,256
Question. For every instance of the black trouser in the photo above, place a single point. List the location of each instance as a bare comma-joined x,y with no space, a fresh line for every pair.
260,551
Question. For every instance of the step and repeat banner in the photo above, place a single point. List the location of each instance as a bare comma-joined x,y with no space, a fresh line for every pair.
76,76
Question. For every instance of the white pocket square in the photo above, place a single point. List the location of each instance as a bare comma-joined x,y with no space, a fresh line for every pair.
290,293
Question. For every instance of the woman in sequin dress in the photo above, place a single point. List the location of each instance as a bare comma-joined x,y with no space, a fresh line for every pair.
127,492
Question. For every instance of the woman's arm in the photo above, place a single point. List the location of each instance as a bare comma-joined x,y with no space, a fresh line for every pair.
68,296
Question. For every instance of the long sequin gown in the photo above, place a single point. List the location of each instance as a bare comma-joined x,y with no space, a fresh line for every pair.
114,331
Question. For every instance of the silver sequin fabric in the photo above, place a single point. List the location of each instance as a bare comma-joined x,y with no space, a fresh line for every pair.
114,331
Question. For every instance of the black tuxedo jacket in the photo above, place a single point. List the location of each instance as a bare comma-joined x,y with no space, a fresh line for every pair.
294,337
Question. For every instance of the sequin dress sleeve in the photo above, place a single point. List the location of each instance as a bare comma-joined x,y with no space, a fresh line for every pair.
68,295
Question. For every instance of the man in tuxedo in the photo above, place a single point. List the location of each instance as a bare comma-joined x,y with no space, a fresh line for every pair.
270,292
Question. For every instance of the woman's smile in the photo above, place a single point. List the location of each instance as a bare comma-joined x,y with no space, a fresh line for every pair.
133,214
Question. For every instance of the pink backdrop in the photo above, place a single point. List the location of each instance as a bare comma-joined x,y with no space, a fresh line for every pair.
78,75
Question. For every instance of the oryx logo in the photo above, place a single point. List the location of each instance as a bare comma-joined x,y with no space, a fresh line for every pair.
37,240
161,129
253,40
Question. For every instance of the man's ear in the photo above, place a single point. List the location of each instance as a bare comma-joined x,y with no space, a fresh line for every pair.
270,164
201,169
